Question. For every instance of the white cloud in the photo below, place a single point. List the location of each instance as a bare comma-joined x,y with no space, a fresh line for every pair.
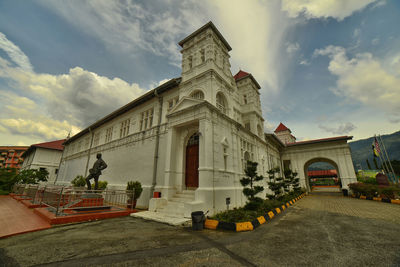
338,9
15,53
255,29
375,41
365,79
344,128
133,27
42,127
292,47
256,32
304,62
49,106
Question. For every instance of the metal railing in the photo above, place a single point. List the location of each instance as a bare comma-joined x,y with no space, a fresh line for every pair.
64,200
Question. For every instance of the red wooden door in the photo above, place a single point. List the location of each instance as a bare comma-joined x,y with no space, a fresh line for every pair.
192,166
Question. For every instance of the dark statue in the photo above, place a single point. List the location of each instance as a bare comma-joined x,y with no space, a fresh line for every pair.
95,172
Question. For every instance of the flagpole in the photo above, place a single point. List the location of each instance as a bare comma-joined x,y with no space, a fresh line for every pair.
378,154
388,159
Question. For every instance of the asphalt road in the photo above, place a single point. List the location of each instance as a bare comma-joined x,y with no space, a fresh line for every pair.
319,230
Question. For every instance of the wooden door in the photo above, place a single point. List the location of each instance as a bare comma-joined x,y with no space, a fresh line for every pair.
192,165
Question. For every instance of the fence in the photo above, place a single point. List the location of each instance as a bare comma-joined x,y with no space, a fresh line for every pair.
66,200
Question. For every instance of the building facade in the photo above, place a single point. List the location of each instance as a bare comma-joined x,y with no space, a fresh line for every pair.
189,138
44,156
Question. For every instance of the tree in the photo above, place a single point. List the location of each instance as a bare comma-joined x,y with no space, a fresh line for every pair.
250,190
7,179
291,181
276,183
32,176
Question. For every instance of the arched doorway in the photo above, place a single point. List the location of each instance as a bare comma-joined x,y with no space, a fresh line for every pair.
192,162
322,175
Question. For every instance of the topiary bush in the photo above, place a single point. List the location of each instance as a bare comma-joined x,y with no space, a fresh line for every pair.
250,189
79,181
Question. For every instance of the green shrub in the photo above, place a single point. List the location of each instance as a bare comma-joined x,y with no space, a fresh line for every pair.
136,187
244,214
390,191
8,179
32,176
102,185
250,189
79,181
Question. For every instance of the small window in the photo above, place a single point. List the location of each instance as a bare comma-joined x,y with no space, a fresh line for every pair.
146,119
245,99
96,139
190,62
124,130
221,103
197,95
109,133
202,55
56,171
172,103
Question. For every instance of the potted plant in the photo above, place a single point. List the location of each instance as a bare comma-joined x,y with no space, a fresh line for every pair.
133,191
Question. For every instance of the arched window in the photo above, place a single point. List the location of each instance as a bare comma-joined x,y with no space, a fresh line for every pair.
194,139
197,95
221,102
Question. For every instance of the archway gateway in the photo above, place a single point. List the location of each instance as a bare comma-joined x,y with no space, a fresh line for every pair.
192,162
323,180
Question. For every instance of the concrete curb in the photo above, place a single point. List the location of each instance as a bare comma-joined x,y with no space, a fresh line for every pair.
249,226
379,199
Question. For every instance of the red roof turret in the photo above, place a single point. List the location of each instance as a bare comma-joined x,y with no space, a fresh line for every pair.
240,74
281,128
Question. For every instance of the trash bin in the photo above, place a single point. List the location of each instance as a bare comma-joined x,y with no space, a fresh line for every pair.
198,219
345,192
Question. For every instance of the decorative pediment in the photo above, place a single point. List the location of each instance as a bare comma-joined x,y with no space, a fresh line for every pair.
184,103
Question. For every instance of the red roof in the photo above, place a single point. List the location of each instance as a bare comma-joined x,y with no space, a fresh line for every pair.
281,128
240,74
56,145
337,138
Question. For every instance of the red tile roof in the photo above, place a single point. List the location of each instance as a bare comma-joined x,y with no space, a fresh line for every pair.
240,74
281,127
56,145
337,138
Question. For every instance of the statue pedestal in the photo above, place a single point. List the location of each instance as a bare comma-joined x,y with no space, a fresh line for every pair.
91,200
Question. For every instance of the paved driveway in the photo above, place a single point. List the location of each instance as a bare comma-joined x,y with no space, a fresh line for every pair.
318,230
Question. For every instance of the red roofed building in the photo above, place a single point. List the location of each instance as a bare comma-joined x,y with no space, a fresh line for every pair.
284,134
44,156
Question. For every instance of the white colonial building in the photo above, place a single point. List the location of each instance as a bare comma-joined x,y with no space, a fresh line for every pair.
190,137
44,156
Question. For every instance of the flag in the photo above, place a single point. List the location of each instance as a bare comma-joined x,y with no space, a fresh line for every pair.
375,148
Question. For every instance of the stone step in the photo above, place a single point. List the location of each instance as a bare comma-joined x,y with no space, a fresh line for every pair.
182,200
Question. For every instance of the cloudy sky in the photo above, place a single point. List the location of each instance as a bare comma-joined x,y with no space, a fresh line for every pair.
326,67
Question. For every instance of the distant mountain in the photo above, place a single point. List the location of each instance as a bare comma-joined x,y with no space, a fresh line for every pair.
361,150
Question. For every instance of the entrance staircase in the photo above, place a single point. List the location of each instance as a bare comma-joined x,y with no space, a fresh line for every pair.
172,211
176,205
